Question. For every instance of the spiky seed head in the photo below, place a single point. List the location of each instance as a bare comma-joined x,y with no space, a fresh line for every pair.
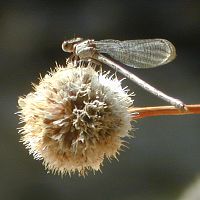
74,118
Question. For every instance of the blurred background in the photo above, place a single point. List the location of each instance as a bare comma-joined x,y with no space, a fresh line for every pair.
164,157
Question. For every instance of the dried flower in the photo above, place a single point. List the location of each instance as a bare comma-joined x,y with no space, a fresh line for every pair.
75,117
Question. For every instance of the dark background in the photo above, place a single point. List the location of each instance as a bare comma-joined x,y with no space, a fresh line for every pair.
164,157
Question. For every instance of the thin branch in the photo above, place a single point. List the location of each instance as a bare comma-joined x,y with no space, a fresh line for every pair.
142,112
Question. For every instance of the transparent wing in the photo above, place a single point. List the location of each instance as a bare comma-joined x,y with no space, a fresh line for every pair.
146,53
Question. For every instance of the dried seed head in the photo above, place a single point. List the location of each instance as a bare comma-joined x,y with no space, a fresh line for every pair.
74,118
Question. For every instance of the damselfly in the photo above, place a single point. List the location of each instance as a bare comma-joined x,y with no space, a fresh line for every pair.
145,53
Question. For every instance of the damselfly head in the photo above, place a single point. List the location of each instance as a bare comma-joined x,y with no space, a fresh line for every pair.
68,45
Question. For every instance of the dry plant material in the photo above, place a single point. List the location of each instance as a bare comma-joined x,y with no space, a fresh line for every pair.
75,118
142,112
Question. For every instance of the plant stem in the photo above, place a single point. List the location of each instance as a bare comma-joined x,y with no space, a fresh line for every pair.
142,112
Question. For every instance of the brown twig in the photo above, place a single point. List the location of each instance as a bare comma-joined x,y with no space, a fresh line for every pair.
141,112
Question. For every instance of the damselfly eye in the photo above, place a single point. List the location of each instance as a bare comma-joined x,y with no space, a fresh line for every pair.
67,47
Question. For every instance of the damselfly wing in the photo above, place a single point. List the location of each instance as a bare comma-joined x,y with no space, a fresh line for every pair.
145,53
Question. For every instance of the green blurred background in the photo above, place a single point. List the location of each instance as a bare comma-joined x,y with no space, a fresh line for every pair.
164,156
